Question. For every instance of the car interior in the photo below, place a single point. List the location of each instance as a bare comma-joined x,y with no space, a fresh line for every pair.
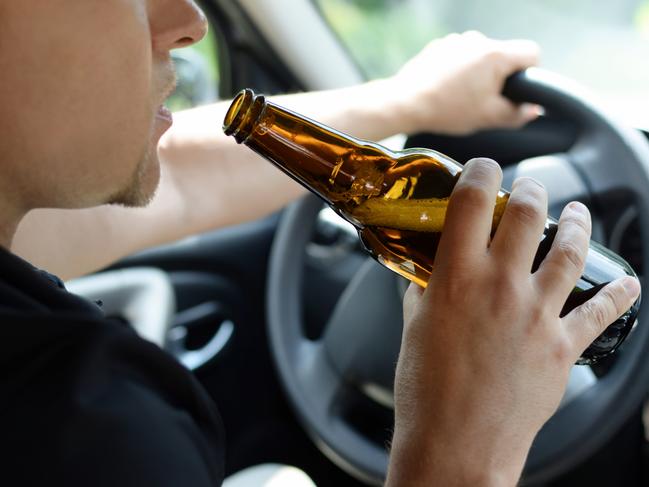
294,330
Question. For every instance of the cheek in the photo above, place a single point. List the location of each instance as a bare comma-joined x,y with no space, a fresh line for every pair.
77,96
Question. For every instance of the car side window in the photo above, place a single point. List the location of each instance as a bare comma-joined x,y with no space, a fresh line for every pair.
608,41
382,34
197,70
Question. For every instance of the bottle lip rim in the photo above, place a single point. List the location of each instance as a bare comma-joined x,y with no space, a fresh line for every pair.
237,111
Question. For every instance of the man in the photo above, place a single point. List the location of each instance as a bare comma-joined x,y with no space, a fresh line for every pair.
86,402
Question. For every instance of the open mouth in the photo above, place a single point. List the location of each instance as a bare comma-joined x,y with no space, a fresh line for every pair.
164,114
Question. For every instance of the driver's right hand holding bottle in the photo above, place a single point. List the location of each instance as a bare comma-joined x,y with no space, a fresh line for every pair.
487,348
485,356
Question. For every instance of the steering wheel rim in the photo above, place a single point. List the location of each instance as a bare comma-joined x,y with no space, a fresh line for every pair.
315,374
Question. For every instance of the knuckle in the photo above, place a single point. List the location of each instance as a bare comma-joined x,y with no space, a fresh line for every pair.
526,209
472,193
568,251
537,316
614,297
562,350
596,314
578,221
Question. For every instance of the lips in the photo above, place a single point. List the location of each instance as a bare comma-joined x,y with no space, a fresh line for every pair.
163,117
163,122
165,114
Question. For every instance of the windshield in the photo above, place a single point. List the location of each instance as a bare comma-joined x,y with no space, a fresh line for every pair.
603,45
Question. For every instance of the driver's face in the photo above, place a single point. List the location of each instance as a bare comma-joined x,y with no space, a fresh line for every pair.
82,86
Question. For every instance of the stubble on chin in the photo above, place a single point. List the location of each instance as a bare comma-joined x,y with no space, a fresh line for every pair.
138,192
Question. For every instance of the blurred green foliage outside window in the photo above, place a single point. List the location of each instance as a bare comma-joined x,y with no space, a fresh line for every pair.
603,45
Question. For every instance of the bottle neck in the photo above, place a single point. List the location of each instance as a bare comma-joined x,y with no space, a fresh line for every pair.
328,162
243,115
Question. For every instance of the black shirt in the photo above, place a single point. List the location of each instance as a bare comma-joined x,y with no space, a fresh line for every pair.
85,402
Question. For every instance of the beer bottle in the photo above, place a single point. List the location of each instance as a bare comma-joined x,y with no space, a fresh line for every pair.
396,200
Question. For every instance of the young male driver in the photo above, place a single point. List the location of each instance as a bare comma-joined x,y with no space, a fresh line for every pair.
85,402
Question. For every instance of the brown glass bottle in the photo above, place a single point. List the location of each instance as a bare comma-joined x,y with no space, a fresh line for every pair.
396,200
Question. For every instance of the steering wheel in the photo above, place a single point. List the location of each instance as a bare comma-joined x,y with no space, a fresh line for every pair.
358,350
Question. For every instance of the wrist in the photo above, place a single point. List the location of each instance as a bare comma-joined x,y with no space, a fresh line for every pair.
415,463
396,106
386,107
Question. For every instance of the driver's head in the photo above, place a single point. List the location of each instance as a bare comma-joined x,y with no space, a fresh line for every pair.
82,85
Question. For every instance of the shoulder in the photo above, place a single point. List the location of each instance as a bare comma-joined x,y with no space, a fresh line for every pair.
133,436
97,405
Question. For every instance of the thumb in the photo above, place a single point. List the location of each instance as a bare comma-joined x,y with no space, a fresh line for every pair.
586,322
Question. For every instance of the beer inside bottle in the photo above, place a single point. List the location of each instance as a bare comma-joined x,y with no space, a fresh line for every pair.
396,199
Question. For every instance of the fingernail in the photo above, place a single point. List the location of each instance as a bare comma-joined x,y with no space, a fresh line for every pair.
578,207
532,111
527,179
631,286
483,163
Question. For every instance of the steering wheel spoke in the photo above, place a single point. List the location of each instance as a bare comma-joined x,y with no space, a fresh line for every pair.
320,384
324,394
363,335
608,166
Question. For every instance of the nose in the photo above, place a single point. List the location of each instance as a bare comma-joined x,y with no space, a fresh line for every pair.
176,23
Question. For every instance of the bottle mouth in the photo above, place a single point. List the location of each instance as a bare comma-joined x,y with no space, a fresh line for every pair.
242,113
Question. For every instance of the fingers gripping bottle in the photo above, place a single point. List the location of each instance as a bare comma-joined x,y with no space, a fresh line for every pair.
396,200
